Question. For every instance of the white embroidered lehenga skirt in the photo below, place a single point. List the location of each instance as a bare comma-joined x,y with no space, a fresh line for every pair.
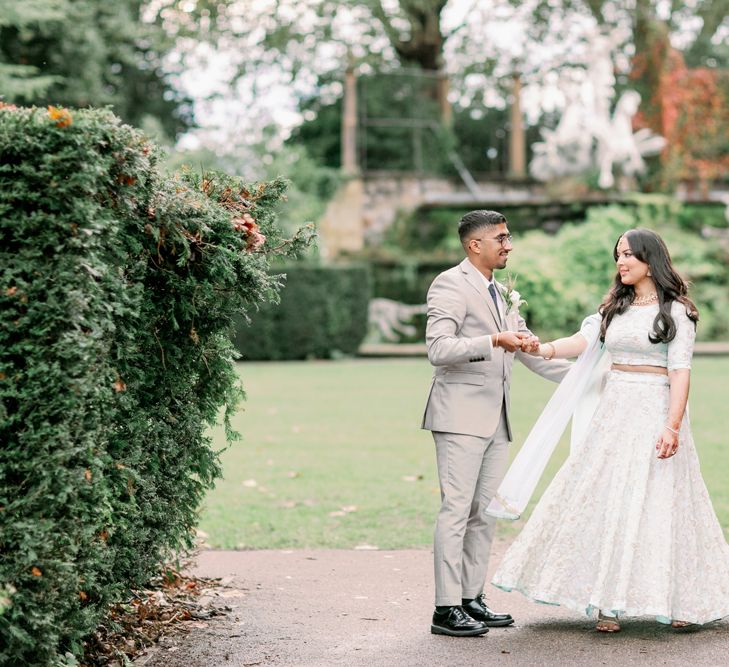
619,529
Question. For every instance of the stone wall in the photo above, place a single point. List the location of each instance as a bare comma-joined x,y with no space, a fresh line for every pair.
366,206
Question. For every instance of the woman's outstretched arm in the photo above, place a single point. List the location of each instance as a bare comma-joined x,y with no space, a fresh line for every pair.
562,348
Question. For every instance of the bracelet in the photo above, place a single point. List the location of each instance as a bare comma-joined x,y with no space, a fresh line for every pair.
551,356
672,430
496,344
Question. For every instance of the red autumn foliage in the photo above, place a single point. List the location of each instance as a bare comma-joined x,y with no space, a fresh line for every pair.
689,108
247,224
61,116
126,180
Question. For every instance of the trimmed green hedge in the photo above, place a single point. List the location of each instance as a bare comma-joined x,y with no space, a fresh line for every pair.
431,231
564,276
322,313
118,288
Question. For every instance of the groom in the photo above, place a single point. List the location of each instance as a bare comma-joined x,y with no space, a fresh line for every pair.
474,330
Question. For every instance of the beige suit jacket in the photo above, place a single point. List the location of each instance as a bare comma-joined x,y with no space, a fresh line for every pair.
471,378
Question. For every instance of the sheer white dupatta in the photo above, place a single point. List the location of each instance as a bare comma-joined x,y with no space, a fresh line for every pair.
576,396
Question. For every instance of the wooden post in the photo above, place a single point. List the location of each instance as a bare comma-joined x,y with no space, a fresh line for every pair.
517,137
444,105
349,122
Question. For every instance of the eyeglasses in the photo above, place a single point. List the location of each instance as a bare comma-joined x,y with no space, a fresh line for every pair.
503,239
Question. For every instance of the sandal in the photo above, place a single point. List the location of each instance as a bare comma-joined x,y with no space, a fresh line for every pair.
607,623
682,625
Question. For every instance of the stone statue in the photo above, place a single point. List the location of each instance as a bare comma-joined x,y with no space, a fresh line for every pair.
390,319
588,135
618,144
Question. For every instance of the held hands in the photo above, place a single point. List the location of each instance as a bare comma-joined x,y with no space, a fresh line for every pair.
531,345
512,341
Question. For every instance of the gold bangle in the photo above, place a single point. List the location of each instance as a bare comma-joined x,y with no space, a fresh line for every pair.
496,344
554,351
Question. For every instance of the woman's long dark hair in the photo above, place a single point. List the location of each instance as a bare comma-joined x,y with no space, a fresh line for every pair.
648,247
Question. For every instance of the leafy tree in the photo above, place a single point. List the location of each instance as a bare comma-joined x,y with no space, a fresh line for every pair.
90,53
642,24
18,79
308,40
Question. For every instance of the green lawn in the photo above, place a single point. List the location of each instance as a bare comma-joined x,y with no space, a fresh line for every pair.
332,454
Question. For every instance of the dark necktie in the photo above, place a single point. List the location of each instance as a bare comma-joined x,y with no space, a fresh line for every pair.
492,292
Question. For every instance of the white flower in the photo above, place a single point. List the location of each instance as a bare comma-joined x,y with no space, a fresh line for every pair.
512,298
513,301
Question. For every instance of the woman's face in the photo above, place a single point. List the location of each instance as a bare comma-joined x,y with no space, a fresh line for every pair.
631,269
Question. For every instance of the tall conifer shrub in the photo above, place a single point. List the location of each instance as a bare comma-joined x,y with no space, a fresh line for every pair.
118,288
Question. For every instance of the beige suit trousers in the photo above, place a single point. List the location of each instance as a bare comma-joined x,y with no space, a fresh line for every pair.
470,469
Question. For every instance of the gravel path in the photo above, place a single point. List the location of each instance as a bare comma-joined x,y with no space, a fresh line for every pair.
369,608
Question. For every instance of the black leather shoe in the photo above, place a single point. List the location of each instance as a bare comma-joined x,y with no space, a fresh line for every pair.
456,623
477,609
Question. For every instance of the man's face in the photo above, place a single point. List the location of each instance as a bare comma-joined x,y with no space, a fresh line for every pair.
492,246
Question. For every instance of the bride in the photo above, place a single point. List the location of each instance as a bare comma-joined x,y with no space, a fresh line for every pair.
627,527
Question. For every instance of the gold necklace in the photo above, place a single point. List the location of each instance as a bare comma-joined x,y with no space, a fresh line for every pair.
645,300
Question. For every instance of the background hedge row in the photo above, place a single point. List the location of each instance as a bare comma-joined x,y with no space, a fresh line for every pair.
322,314
118,288
564,275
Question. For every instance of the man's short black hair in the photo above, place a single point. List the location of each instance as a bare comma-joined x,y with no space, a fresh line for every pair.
475,220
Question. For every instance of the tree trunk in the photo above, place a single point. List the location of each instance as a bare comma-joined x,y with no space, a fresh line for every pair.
423,46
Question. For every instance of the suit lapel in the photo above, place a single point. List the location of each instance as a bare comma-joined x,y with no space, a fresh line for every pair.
476,281
501,289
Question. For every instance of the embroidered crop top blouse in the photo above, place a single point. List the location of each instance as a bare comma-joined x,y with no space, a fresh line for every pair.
626,339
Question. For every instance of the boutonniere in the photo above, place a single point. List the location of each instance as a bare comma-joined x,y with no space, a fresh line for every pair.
512,298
